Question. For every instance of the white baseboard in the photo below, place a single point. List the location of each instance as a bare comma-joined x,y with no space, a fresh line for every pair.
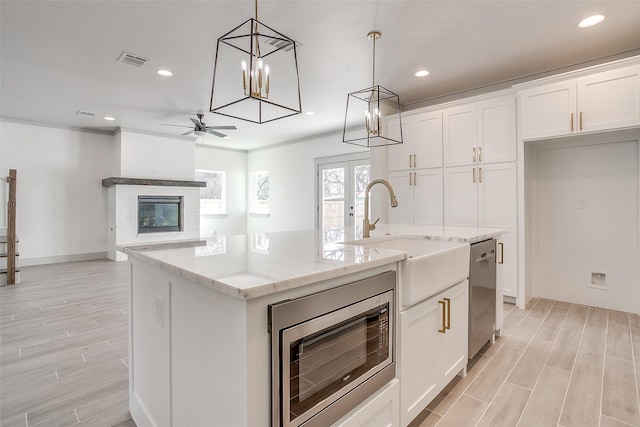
25,262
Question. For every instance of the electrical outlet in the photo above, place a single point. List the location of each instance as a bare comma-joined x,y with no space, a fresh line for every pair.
159,311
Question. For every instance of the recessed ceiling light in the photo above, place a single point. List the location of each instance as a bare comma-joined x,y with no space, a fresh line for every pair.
421,73
310,113
109,118
164,73
591,21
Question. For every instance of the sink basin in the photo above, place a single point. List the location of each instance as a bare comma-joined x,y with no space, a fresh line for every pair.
430,267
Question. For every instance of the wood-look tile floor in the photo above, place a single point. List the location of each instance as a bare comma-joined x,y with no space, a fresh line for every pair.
63,359
64,346
556,364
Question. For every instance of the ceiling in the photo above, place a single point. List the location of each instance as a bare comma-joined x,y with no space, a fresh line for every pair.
59,57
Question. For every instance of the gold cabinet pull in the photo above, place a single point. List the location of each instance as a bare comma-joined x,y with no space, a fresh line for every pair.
415,156
410,183
571,124
474,154
415,178
444,309
410,155
501,253
474,174
479,154
580,120
448,300
480,174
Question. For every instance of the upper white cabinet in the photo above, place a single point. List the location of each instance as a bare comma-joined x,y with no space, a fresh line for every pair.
419,195
601,101
480,132
422,142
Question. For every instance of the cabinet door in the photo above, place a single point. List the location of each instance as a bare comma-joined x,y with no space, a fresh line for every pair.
379,410
452,357
609,100
418,346
427,197
461,196
402,183
497,207
426,138
460,135
548,110
399,155
497,130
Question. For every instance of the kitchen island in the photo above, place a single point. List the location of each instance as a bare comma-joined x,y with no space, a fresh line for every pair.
200,350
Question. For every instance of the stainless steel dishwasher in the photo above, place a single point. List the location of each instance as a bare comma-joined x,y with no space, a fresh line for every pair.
482,295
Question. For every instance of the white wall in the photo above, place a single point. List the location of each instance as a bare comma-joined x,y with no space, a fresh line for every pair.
234,163
586,221
61,204
292,181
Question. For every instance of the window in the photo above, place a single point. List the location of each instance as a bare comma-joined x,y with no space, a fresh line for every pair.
213,197
260,192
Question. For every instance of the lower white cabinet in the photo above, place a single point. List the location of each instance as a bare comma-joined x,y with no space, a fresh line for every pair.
419,194
380,410
432,347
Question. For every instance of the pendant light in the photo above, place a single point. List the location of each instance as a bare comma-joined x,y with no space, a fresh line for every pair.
363,121
255,74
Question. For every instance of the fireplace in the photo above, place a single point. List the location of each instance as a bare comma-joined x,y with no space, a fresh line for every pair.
160,214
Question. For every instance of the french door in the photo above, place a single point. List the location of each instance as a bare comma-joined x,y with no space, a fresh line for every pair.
341,192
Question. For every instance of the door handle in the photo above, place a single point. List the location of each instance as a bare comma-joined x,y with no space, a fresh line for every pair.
571,122
474,174
444,309
474,154
448,300
410,183
411,156
480,174
415,178
501,253
479,154
415,163
580,120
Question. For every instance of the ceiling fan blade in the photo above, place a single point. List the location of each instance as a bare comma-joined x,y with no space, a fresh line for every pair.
213,132
180,126
187,133
195,122
222,127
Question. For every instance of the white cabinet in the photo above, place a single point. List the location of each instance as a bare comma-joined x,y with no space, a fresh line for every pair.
481,132
601,101
380,410
419,195
422,142
486,196
433,348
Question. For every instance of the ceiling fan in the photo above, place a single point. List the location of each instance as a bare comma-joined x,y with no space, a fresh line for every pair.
200,128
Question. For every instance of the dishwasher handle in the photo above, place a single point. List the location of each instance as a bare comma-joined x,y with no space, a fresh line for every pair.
485,256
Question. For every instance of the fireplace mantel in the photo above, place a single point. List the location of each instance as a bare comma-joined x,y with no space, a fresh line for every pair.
110,182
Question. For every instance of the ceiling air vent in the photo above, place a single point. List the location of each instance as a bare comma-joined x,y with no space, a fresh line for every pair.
85,113
131,59
281,44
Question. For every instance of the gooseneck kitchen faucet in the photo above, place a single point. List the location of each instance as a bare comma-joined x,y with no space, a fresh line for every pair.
366,224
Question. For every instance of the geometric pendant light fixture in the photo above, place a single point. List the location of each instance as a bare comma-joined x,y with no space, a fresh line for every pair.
363,121
255,75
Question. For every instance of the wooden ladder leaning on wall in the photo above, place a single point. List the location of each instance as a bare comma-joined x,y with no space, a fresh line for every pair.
11,228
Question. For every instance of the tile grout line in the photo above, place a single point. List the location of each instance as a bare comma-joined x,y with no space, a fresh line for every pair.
564,401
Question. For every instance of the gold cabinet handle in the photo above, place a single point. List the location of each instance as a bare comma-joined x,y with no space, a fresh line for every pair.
479,154
474,154
415,178
411,156
580,120
415,156
448,300
571,122
501,253
444,309
410,183
474,174
480,174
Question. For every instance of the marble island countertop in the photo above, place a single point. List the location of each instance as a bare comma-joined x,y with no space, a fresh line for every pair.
253,265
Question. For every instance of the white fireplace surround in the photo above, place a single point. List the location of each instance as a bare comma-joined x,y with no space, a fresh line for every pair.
123,213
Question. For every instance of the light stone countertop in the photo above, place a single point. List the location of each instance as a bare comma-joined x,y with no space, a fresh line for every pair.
257,264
